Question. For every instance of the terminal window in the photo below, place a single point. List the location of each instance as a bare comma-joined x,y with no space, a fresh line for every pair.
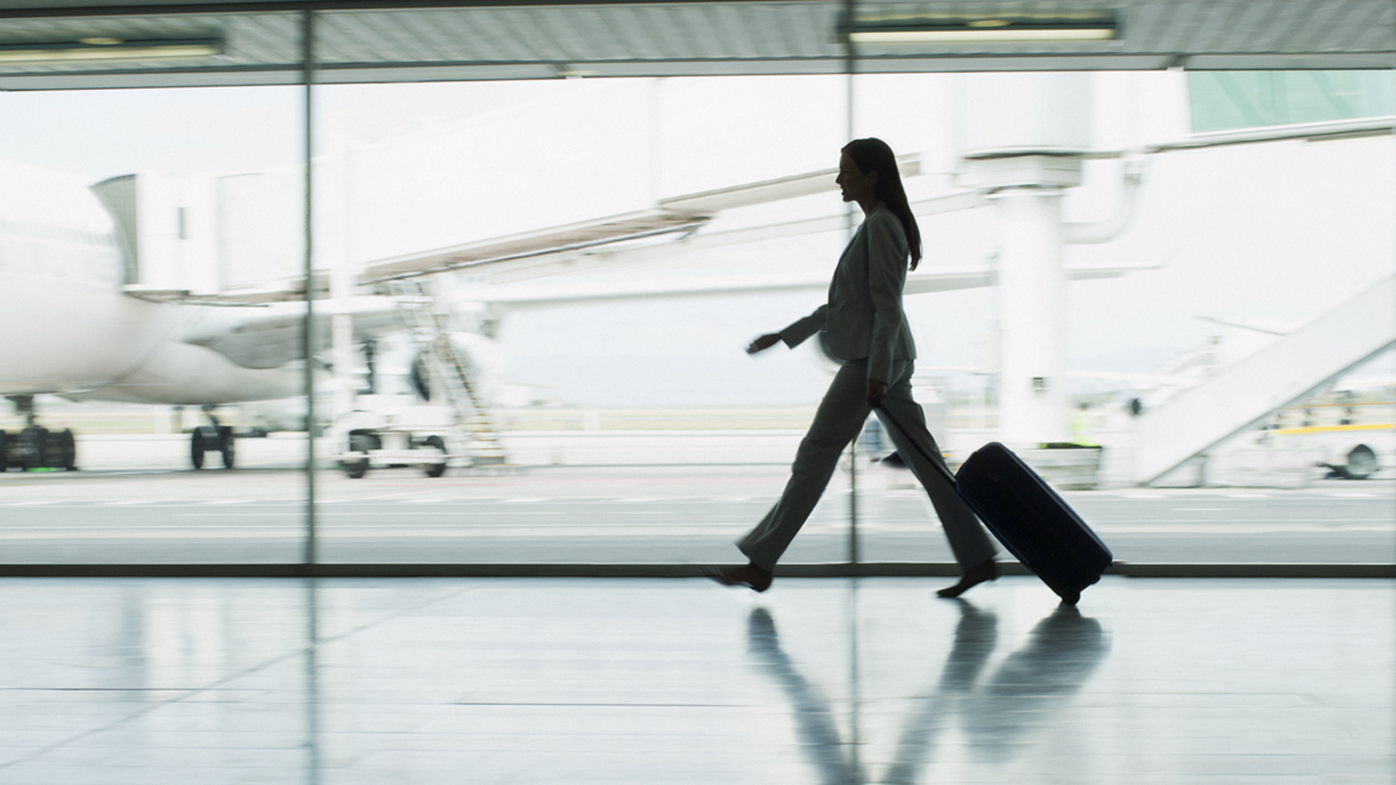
1228,100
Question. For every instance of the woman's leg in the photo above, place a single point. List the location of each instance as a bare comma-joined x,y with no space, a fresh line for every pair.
969,541
840,417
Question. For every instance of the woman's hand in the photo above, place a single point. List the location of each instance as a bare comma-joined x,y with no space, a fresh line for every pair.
877,393
764,342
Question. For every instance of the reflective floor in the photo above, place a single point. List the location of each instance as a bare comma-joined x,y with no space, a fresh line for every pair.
660,681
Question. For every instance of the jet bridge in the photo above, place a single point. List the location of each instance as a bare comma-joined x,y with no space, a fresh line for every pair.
1246,393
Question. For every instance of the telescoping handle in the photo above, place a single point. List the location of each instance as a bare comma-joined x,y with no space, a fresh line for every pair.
935,460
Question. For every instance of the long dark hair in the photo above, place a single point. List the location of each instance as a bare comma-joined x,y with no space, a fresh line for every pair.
874,155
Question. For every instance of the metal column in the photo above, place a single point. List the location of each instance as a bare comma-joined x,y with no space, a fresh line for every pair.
308,334
850,63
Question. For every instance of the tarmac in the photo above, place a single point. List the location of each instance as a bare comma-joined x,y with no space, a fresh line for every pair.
119,512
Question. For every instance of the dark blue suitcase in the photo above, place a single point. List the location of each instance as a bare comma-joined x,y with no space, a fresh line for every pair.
1028,517
1032,521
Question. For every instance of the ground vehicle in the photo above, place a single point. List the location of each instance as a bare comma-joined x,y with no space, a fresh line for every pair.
1352,435
392,431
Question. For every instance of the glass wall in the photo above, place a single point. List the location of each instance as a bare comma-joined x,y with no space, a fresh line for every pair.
622,420
1220,260
533,297
1226,100
121,209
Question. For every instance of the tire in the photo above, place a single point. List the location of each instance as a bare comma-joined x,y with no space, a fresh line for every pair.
196,448
1361,463
4,451
33,442
226,446
359,443
52,452
356,469
435,469
67,450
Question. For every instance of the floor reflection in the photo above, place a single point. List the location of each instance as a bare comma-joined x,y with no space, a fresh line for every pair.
313,764
999,713
170,682
1035,682
814,719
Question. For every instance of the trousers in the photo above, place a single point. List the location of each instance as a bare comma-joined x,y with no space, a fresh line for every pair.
839,419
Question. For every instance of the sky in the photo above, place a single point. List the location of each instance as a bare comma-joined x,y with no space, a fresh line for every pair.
1276,233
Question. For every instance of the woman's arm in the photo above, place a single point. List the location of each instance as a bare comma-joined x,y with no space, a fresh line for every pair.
795,334
763,343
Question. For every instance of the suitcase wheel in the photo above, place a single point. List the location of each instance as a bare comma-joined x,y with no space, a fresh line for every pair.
1069,596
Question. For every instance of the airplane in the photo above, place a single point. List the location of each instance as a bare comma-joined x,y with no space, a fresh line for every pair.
74,332
80,328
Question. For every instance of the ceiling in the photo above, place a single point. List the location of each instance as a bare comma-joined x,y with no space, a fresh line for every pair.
359,41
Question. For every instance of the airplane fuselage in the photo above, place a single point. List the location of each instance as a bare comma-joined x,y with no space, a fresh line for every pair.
67,328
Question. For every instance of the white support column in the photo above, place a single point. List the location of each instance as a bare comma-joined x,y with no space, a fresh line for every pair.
1028,191
1022,139
1032,396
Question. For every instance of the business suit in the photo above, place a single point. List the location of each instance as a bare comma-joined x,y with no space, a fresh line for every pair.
867,329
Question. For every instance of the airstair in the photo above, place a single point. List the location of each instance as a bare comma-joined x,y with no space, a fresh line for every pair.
430,327
1244,394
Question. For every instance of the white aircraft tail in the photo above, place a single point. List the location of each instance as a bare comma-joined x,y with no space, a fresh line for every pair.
1244,394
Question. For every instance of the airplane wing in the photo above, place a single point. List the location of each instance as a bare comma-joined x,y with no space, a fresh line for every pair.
271,336
285,291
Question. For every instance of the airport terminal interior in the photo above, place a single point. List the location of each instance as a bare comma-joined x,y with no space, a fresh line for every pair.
378,402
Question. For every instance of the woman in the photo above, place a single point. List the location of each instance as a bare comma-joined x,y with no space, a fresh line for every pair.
868,331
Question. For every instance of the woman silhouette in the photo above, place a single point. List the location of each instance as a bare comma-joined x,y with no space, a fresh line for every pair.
868,331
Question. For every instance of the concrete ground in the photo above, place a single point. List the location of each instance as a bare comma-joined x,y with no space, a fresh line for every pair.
627,515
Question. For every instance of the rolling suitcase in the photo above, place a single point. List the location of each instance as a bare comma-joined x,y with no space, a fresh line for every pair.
1029,518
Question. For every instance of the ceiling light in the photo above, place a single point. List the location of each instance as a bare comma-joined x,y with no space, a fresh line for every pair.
946,28
97,48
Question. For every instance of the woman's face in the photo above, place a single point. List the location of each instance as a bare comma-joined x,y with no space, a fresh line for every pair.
855,186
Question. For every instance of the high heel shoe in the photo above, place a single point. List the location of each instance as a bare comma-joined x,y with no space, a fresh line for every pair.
979,573
748,575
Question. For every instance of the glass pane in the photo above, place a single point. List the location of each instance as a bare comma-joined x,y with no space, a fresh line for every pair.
1227,100
592,336
127,220
1222,342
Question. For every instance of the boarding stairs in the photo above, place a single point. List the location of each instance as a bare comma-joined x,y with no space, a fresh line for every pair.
430,327
1246,393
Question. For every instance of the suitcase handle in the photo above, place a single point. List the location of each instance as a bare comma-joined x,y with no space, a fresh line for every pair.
935,460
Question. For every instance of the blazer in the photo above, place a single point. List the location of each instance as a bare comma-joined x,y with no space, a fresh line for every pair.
864,316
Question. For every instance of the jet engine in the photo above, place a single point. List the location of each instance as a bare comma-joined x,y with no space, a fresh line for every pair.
480,358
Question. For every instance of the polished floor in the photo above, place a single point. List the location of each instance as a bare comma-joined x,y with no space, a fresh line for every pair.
818,681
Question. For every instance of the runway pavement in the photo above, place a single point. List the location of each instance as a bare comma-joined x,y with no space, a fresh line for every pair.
646,515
